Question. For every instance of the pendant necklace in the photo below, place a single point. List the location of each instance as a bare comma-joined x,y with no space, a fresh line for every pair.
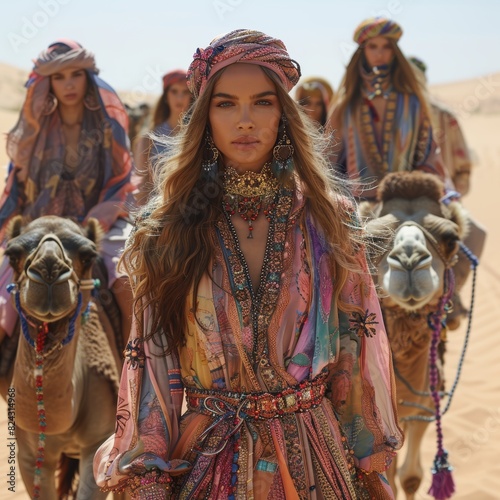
248,193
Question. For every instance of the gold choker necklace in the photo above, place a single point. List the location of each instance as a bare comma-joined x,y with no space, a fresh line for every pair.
249,193
250,183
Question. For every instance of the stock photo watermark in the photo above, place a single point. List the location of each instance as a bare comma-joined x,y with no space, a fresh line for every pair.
147,87
465,448
11,440
32,24
225,7
486,87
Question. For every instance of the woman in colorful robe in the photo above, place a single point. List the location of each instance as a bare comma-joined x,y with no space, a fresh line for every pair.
70,157
380,117
253,296
169,111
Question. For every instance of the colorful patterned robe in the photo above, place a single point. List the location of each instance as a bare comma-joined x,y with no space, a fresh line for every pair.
405,143
290,330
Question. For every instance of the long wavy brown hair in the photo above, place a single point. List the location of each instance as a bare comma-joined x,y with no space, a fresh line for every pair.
161,112
173,243
349,94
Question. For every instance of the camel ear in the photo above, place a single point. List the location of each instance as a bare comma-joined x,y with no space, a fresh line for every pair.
93,230
14,227
459,215
368,210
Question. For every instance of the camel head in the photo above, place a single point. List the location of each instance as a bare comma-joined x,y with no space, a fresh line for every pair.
137,119
415,238
50,257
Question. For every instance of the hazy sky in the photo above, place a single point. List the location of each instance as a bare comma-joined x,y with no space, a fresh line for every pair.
135,42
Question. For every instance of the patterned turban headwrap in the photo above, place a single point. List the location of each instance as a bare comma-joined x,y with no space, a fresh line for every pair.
176,76
377,26
57,57
315,85
242,46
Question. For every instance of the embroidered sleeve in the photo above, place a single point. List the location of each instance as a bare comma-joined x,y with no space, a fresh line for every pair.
363,389
136,458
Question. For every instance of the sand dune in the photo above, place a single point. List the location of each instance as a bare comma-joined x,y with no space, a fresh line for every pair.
477,95
472,426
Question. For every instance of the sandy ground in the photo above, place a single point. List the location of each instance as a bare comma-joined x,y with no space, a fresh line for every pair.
472,426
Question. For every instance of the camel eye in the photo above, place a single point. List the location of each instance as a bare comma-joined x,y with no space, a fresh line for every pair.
14,253
451,244
87,256
13,260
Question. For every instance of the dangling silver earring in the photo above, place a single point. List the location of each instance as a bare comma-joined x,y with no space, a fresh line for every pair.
50,104
283,151
209,164
91,102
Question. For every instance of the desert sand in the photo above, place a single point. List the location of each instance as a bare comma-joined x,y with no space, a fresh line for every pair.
472,425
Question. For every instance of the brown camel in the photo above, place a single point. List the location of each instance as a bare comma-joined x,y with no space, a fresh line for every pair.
138,119
52,260
415,240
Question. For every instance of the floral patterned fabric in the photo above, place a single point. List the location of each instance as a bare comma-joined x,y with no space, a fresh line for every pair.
289,331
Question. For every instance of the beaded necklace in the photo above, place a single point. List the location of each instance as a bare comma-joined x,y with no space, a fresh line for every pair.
377,81
257,306
248,193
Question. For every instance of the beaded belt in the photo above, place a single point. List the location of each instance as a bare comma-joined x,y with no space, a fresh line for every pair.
258,405
239,407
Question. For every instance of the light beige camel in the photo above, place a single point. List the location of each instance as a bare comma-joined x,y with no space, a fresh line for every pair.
52,260
415,239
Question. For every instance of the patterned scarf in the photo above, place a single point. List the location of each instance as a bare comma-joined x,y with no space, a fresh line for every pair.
242,46
405,143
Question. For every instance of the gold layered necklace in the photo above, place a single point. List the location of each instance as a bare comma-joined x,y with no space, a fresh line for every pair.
248,193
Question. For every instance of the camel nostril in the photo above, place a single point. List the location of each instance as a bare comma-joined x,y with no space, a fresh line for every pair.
48,270
401,259
34,276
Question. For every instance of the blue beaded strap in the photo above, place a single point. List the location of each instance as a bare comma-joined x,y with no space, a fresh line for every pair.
12,289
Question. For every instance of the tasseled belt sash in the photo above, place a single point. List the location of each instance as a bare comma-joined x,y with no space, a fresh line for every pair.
239,406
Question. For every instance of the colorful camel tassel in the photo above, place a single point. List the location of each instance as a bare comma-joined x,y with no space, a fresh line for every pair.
442,486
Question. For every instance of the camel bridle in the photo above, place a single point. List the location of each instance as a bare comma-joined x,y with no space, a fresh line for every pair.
441,470
70,275
448,262
42,332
